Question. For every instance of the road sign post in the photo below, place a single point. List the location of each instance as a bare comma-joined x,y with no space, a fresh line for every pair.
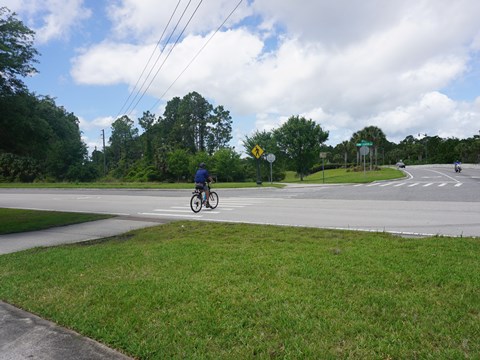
257,152
323,155
364,150
271,158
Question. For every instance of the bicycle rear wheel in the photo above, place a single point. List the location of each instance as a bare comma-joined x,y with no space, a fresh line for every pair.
213,200
196,203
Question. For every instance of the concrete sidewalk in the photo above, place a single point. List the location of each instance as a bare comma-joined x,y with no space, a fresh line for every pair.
26,336
70,234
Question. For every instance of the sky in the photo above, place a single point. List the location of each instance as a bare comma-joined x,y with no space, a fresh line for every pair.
409,67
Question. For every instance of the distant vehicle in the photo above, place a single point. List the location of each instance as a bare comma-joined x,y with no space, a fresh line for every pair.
400,164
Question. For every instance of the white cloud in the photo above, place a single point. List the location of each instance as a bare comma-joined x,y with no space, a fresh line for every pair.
51,19
96,124
434,113
146,20
109,63
345,64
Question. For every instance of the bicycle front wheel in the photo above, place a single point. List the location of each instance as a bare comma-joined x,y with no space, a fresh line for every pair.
213,200
196,203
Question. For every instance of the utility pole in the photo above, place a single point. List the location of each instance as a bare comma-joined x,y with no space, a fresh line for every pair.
104,155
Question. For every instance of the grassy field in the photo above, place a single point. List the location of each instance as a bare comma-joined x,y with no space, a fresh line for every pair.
331,176
231,291
130,185
338,176
17,220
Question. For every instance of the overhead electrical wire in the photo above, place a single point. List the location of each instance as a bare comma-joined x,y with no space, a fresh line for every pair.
197,54
131,107
168,55
150,59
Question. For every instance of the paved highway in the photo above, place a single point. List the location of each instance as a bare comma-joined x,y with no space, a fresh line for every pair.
428,201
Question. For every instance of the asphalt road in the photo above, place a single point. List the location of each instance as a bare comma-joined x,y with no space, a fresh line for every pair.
429,201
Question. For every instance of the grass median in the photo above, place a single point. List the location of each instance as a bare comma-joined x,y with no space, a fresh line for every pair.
130,185
343,176
19,220
223,291
331,176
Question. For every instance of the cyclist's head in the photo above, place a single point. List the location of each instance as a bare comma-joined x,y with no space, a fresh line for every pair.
201,165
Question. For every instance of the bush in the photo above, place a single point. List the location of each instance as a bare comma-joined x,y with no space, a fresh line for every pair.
82,173
18,168
328,166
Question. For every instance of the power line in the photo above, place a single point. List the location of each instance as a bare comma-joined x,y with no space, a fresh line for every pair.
196,55
151,56
168,55
130,108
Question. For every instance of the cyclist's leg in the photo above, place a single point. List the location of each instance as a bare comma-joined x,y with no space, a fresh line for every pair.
207,194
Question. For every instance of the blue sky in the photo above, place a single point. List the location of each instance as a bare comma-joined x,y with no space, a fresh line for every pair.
406,66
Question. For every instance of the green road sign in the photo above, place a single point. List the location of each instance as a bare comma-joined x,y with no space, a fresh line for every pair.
365,143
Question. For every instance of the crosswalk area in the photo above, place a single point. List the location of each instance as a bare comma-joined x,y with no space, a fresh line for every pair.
224,205
410,184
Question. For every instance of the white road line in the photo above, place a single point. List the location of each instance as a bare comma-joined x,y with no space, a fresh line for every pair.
186,209
401,184
358,185
175,215
442,184
171,210
387,184
238,205
459,184
438,172
412,185
427,185
373,184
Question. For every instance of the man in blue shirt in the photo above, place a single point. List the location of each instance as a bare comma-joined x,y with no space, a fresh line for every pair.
201,178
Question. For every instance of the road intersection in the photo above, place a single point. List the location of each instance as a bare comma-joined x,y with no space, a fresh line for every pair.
429,201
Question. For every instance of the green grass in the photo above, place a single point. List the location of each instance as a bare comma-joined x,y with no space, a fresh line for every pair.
17,220
231,291
130,185
339,176
331,177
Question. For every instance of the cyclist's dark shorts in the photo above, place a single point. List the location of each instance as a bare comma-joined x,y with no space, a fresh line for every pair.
201,186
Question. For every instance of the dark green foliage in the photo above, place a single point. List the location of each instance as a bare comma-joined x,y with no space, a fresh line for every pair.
38,139
179,165
268,143
18,168
419,149
300,140
124,149
170,147
16,52
228,166
35,128
191,123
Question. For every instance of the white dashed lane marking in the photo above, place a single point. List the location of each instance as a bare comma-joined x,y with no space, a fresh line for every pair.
410,184
226,204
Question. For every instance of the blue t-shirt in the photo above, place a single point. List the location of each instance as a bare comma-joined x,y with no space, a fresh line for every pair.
202,176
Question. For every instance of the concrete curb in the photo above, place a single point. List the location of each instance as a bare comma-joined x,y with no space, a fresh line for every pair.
26,336
70,234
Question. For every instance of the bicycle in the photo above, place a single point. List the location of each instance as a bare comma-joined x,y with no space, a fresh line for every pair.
199,199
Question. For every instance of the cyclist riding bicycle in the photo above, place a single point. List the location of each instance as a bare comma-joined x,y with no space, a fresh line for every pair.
201,178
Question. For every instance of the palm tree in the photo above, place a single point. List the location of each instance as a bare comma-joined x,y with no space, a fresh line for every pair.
373,134
345,147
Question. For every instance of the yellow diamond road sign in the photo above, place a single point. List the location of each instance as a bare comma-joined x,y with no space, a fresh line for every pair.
257,151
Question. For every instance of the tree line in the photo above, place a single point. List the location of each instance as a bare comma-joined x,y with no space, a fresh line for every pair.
413,150
41,141
192,131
